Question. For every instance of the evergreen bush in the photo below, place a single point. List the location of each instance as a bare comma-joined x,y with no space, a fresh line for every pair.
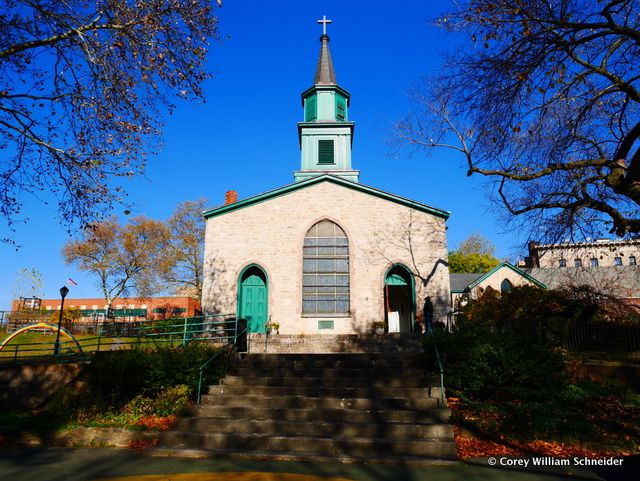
483,364
114,378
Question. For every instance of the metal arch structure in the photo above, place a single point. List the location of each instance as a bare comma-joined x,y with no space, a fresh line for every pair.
40,325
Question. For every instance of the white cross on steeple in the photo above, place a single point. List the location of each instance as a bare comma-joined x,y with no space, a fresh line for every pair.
324,23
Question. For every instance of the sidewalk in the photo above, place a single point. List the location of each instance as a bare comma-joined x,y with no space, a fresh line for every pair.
87,464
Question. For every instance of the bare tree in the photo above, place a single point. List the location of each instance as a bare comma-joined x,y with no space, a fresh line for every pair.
29,283
83,88
125,259
183,255
543,96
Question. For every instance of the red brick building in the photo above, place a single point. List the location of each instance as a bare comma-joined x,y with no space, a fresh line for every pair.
129,308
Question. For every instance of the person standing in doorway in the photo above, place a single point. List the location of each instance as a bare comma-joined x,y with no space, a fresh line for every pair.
428,314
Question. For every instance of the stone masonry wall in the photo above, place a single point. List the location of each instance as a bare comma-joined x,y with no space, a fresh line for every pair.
271,234
29,386
604,252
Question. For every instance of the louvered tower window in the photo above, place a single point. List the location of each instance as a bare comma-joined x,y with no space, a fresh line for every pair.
341,108
325,152
325,273
310,109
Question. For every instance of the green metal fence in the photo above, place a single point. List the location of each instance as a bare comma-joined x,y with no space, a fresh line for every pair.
220,329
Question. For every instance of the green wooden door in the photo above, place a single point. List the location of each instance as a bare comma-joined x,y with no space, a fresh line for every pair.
253,301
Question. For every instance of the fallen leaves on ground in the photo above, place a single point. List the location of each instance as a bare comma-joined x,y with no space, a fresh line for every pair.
142,443
470,446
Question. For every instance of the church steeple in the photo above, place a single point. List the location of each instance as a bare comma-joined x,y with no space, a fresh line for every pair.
325,75
326,134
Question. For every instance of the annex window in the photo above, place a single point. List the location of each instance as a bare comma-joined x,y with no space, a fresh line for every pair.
617,261
325,152
563,262
506,286
632,260
325,272
577,262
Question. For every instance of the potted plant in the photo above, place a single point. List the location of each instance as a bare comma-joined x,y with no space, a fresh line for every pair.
377,327
272,326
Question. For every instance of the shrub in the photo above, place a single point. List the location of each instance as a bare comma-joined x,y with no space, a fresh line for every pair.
533,305
114,378
578,318
173,400
483,364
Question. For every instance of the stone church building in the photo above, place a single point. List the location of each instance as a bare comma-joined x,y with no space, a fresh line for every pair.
327,254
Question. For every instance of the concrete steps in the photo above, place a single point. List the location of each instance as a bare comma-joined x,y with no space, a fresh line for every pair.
317,445
303,402
328,415
333,383
310,391
376,407
333,343
326,428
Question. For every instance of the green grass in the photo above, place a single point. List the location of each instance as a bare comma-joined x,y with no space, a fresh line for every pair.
35,344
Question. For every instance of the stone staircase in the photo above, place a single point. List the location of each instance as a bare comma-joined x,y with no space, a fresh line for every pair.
373,407
334,343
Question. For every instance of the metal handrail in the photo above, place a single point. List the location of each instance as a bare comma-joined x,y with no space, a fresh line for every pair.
131,334
440,368
231,346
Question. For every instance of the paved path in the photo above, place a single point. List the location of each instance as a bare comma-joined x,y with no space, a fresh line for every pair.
89,464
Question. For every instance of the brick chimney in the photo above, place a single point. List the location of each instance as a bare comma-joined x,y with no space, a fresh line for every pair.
230,197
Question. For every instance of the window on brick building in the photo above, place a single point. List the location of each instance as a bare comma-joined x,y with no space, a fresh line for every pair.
632,260
563,262
325,272
577,262
617,261
594,262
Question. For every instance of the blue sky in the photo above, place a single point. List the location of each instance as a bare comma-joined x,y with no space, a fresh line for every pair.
245,136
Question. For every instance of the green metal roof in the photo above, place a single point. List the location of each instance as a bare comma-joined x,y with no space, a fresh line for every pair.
325,178
513,268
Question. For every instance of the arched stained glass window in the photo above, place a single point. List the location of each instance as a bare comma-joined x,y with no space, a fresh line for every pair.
325,272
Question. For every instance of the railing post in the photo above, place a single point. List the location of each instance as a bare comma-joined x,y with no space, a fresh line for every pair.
15,353
242,338
184,333
235,331
439,362
199,386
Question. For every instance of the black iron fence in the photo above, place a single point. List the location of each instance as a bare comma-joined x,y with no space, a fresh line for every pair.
579,335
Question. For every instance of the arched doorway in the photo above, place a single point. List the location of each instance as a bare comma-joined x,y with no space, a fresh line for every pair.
253,298
399,299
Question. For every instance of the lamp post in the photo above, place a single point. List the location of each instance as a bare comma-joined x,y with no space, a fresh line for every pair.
64,290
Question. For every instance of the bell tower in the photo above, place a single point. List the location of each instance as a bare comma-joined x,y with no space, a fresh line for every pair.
326,135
